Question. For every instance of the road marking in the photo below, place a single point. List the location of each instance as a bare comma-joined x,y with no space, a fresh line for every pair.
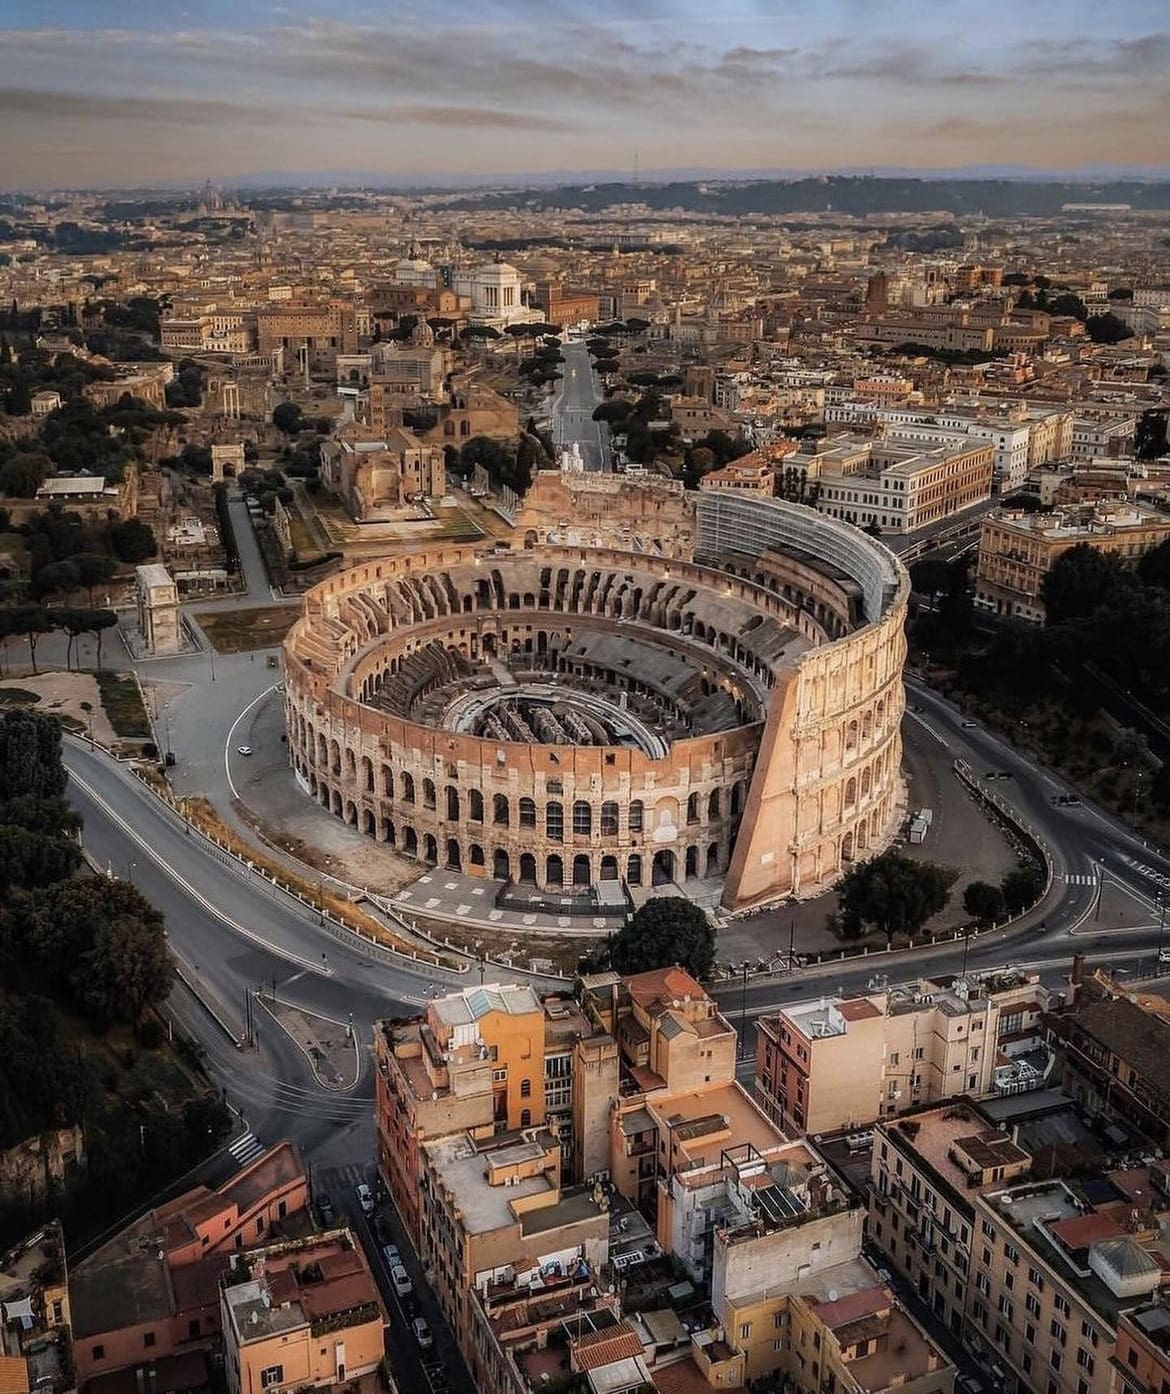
1080,880
247,1148
227,745
200,899
942,740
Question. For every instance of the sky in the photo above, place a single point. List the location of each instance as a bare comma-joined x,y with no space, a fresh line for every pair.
96,93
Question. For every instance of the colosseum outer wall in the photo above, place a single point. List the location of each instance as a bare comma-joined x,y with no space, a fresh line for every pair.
774,807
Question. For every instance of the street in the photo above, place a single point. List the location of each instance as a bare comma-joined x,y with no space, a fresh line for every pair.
573,422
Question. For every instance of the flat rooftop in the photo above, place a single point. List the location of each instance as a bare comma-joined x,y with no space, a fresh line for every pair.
933,1134
745,1122
462,1170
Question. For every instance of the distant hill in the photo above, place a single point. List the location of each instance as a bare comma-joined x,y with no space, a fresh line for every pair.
834,193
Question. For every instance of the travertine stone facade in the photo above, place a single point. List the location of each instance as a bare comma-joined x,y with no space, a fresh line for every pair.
767,689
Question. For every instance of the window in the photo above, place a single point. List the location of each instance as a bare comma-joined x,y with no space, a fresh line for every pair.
1011,1253
527,813
1057,1331
193,1329
582,818
148,1339
1029,1333
526,1118
1032,1303
1027,1363
1055,1359
1061,1305
274,1374
1089,1332
1085,1360
636,816
1036,1278
98,1353
745,1330
526,1089
609,819
554,822
988,1230
498,1076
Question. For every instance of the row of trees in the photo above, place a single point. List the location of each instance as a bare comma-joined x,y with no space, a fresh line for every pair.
989,903
32,622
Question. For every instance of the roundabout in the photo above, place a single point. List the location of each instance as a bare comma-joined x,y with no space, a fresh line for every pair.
561,716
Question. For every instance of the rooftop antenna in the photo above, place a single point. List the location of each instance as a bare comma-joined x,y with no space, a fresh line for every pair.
635,180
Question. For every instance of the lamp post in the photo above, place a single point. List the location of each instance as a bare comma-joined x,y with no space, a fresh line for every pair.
743,1009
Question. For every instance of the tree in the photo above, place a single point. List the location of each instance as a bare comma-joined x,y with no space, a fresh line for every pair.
105,940
30,756
984,902
19,399
133,541
893,893
1081,580
97,622
30,622
58,578
23,473
1068,304
1021,888
1154,567
1107,329
1149,439
93,569
287,417
663,931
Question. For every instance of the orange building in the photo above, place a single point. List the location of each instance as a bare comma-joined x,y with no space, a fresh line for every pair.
301,1315
1142,1359
153,1291
487,1060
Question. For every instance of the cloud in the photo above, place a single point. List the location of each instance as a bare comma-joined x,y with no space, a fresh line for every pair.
472,118
72,106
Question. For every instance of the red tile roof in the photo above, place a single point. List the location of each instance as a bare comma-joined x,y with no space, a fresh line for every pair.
1082,1230
852,1307
598,1348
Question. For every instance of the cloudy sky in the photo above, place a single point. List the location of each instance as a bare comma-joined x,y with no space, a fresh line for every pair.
96,92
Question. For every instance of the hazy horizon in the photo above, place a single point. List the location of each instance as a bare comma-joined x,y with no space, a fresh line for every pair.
95,94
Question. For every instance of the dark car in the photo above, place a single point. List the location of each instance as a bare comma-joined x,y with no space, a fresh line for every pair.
325,1209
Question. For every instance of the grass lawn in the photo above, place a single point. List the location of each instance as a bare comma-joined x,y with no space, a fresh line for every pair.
236,631
122,704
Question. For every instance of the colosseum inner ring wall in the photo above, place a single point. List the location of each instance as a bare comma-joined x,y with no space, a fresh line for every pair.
562,714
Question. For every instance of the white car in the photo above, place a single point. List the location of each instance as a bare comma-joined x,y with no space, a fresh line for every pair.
392,1255
244,749
1164,955
365,1198
422,1333
401,1280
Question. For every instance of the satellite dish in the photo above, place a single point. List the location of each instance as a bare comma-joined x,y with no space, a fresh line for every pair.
832,1294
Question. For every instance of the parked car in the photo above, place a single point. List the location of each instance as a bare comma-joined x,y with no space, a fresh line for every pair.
1164,955
401,1280
244,749
392,1256
325,1209
365,1198
970,725
422,1333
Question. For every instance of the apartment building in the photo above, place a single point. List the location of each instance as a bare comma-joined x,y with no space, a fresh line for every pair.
897,484
151,1293
320,330
1055,1264
1141,1362
485,1061
1099,432
1113,1061
494,1210
301,1315
926,1169
1017,550
832,1064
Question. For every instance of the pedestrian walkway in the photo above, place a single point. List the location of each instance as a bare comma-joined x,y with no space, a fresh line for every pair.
247,1148
1080,880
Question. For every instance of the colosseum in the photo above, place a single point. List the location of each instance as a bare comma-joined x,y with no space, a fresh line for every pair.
647,687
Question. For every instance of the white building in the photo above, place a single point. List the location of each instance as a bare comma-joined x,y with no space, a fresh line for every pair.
495,293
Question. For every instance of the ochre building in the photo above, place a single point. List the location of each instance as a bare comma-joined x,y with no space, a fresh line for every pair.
567,712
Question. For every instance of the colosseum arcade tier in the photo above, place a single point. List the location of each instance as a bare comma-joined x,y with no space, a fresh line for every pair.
571,712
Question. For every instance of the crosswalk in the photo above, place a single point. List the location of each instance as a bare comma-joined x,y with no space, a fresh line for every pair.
1081,880
246,1148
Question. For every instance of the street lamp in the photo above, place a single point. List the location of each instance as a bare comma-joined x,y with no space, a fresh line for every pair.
744,966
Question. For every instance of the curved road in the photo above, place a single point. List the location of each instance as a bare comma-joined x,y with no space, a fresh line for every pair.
235,934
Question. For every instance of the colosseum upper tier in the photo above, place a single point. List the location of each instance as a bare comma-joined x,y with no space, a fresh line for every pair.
712,691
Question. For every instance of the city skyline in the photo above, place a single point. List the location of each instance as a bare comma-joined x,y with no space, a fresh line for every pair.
94,94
